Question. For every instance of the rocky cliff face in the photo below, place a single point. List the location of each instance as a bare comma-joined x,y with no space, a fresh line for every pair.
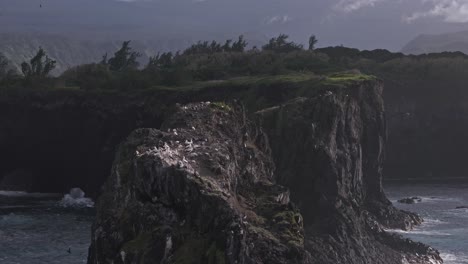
200,190
204,188
76,133
63,139
329,150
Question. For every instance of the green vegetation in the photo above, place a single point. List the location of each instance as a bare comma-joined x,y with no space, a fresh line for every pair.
230,63
345,79
431,79
221,105
214,47
312,42
200,63
39,66
281,44
124,59
3,66
7,72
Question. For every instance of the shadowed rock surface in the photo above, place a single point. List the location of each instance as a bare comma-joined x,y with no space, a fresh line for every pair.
202,192
410,200
328,148
68,137
205,191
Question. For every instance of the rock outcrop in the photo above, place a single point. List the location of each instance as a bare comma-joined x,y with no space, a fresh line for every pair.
302,184
202,192
329,150
410,200
205,187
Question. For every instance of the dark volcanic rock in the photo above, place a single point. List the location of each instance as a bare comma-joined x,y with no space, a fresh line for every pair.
202,191
69,137
329,150
410,200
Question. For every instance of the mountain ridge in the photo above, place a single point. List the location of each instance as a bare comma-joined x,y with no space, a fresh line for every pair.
435,43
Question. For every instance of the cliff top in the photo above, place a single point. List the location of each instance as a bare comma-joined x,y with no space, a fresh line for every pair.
339,79
255,92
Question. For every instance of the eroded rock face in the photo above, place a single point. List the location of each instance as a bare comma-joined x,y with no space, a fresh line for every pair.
204,188
329,150
202,191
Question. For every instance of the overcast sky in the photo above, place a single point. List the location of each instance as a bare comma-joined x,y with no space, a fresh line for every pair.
365,24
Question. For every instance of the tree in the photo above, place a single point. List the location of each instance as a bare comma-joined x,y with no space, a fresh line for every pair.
104,60
206,47
239,45
160,61
39,66
88,76
3,66
281,44
124,59
312,42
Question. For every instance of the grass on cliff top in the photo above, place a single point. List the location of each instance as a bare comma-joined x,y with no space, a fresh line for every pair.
244,81
337,79
347,78
307,82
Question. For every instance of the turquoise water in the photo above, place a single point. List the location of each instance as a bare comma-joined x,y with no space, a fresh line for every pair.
445,227
38,229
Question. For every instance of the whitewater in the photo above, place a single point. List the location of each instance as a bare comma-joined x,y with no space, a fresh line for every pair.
56,228
45,228
445,227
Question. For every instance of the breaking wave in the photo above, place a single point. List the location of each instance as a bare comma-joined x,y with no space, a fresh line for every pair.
420,232
454,259
76,199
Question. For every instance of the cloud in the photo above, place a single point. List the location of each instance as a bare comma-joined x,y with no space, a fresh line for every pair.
348,6
451,11
278,20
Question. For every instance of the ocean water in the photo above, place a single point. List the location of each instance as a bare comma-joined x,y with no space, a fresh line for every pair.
56,228
445,227
44,228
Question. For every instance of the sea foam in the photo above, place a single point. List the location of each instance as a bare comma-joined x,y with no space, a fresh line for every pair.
76,199
450,258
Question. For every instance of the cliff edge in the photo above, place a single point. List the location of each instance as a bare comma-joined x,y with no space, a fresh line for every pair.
301,184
